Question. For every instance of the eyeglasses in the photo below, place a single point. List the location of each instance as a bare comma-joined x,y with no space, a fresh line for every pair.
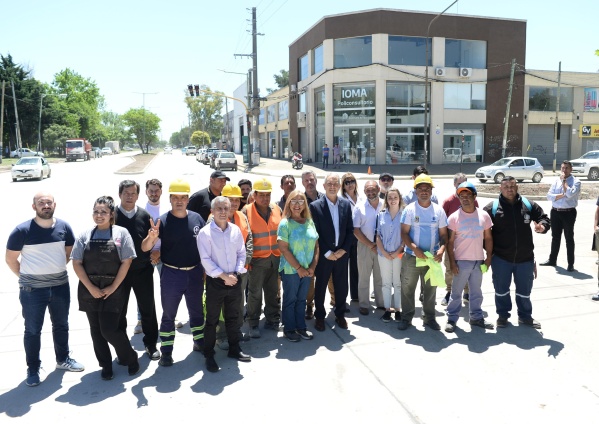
222,210
296,202
348,182
101,213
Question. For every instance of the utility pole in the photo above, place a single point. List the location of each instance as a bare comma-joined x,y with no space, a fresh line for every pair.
506,120
143,107
14,99
2,123
556,126
254,138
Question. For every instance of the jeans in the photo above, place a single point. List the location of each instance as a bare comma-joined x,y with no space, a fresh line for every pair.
391,275
295,290
471,274
562,221
325,161
34,302
523,274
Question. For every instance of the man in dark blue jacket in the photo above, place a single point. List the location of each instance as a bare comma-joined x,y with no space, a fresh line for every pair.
513,251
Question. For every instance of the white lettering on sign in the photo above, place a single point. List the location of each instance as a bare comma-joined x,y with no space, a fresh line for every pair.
354,92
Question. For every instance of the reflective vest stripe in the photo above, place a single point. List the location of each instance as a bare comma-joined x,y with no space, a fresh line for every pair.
264,233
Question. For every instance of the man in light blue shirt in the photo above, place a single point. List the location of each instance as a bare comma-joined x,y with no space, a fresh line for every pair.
563,195
222,252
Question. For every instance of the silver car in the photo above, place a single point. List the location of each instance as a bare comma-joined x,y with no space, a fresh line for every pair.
225,160
31,168
519,167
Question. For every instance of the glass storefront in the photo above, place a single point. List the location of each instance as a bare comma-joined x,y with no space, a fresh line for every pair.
285,145
319,123
354,122
272,144
544,99
405,123
463,143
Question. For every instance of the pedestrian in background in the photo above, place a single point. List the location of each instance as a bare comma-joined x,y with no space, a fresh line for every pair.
563,195
298,243
325,156
44,244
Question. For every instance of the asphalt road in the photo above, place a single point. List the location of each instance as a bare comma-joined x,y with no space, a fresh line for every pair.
370,372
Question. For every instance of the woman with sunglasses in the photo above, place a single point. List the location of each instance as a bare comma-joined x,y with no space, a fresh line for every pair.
349,191
390,246
298,243
101,257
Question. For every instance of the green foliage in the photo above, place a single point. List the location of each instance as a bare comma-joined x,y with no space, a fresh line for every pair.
83,102
206,112
282,79
200,138
143,126
180,138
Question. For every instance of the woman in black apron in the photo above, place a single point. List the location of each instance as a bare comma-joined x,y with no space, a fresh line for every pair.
101,259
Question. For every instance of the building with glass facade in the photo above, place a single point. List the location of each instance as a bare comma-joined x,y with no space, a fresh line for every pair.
358,79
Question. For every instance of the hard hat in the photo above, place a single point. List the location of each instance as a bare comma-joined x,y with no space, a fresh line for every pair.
179,186
263,185
230,190
466,186
423,179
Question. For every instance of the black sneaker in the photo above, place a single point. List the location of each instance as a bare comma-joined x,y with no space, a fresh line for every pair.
106,373
397,316
33,377
386,316
134,368
502,322
152,353
481,323
292,336
530,322
166,360
305,334
211,364
450,326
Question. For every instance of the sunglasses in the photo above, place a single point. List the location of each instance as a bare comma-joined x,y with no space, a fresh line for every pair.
348,182
386,179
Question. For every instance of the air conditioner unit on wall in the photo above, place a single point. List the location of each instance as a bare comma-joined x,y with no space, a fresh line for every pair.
465,72
440,72
301,119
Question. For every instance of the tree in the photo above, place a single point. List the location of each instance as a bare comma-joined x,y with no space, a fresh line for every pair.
180,138
55,136
282,79
83,102
200,138
142,125
112,127
205,112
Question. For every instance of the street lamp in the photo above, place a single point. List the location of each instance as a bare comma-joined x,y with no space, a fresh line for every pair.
426,83
39,124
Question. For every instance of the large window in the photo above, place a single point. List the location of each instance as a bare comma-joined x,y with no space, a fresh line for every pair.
283,110
352,52
465,54
465,96
271,112
261,117
302,102
545,99
405,122
317,60
319,123
409,50
354,120
304,71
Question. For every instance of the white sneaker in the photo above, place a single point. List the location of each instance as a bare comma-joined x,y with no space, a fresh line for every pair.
70,364
137,329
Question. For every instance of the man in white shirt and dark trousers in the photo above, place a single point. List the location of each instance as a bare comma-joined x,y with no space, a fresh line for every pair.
222,252
563,195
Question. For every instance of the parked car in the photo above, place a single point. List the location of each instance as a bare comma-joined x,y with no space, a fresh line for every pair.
199,154
213,156
226,160
25,152
519,167
587,164
31,167
106,151
190,150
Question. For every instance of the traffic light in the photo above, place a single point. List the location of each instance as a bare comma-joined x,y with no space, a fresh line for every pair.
197,87
190,88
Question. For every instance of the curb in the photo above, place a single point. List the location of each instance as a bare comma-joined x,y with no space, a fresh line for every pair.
121,172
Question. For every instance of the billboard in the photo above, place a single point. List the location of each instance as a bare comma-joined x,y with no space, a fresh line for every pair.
591,99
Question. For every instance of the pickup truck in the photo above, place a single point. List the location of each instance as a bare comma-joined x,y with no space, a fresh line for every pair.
587,164
452,154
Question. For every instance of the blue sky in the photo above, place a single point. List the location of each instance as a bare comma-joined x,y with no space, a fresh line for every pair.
130,46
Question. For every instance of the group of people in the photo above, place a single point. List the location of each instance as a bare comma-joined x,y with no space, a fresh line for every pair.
229,249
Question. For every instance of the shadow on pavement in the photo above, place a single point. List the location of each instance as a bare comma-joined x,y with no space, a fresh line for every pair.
19,401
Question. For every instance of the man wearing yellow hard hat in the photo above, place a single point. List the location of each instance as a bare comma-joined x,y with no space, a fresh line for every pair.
182,272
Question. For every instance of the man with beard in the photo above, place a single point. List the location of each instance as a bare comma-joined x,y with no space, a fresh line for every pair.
287,185
246,188
199,202
44,244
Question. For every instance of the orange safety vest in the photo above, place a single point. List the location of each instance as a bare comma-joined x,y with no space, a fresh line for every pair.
240,220
264,234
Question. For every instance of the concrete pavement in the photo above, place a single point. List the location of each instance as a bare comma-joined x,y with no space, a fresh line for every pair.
370,372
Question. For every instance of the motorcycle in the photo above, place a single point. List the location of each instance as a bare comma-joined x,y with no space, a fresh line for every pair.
297,161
